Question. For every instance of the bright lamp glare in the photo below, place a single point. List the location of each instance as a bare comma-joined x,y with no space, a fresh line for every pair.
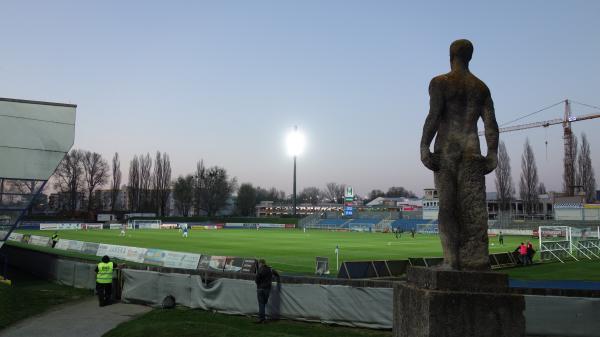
295,143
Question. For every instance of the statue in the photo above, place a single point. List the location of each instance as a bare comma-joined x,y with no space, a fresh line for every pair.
457,100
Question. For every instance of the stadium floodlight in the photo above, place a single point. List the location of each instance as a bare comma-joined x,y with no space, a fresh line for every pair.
295,145
295,142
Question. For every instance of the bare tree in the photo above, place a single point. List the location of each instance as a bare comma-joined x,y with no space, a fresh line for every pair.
504,182
69,176
214,188
183,194
541,189
399,192
585,171
376,194
246,200
334,192
116,181
200,171
95,170
145,182
271,194
528,185
569,181
310,195
161,182
134,189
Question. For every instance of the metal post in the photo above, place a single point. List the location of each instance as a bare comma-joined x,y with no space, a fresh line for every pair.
294,210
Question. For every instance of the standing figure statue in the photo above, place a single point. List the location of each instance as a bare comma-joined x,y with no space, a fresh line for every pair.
457,100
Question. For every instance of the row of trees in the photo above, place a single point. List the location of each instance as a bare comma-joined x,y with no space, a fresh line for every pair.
206,190
530,187
81,171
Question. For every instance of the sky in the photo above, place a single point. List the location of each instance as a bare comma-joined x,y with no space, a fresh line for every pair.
225,81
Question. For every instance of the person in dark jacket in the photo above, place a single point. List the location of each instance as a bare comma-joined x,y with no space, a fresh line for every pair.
54,239
530,252
264,278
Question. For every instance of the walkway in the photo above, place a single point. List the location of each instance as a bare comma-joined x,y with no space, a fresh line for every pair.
75,320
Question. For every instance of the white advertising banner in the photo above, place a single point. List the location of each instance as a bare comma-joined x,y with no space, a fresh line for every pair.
59,226
254,225
36,240
133,254
15,237
181,260
48,226
115,226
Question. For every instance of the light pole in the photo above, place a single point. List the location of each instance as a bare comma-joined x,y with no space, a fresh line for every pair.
295,144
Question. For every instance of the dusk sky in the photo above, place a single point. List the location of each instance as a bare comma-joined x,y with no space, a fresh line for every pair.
224,81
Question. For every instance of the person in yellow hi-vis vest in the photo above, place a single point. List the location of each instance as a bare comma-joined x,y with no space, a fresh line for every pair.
104,278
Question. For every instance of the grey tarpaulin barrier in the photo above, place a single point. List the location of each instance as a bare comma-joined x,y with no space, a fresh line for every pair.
562,316
344,305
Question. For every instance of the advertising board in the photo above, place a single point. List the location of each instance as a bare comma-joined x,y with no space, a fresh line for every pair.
217,262
37,240
133,254
181,260
255,225
15,237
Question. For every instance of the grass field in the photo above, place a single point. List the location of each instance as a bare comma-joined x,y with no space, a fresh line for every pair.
291,251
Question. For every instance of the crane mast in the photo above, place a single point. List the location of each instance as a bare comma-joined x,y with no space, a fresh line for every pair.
569,146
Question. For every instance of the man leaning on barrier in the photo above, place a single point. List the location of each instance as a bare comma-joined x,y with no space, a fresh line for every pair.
104,278
264,277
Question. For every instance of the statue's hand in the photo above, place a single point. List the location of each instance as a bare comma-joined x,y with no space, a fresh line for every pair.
430,160
491,161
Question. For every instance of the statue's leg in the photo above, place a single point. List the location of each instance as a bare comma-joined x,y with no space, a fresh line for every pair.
445,183
473,216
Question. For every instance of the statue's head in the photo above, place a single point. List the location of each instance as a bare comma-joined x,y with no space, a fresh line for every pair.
461,51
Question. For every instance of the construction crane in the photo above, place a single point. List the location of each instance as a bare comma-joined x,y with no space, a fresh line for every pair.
567,137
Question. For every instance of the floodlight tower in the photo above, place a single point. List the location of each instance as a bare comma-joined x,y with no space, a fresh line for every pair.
295,145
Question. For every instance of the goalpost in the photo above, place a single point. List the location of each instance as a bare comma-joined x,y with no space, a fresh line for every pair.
427,228
555,243
563,242
585,242
146,224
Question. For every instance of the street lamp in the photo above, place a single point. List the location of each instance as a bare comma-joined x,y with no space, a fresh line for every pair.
295,145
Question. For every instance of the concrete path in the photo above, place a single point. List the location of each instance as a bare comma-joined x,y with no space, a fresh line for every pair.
85,319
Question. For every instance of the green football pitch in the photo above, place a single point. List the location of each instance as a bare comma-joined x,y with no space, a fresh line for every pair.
291,251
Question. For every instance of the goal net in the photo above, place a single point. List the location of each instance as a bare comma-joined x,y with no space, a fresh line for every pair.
146,224
427,228
555,243
585,242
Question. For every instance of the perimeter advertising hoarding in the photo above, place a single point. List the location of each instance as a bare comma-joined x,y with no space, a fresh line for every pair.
171,259
217,262
204,261
181,260
36,240
255,225
133,254
72,245
234,264
15,237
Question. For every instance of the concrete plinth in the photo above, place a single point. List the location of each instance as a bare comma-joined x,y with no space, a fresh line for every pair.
440,303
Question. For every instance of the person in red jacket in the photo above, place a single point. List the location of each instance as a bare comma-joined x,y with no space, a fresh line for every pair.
523,253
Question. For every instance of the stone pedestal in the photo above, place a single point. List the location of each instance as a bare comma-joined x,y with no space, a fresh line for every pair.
440,303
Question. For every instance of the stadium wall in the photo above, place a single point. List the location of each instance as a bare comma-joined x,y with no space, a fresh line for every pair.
361,306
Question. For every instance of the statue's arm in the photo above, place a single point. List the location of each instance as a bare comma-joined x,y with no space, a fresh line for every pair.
432,123
491,133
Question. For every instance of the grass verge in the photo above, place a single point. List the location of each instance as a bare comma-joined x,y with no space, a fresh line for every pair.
29,296
191,323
